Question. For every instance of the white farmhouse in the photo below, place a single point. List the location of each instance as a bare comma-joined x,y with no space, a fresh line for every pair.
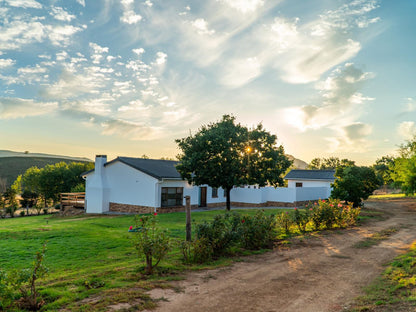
138,185
311,178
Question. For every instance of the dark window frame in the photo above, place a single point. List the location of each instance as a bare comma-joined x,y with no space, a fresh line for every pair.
214,192
299,184
170,198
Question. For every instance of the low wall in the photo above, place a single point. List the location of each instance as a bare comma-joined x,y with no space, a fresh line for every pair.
115,207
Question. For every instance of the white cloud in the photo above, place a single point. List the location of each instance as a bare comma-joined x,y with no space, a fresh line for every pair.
61,15
130,130
72,85
148,3
81,2
202,27
407,129
129,16
6,63
341,106
61,35
139,51
98,50
24,4
410,105
244,6
12,108
161,58
240,72
32,70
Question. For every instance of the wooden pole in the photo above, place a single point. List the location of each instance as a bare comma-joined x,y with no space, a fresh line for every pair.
188,218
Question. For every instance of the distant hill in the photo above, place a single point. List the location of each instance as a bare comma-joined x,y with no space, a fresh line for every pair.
14,163
6,153
297,163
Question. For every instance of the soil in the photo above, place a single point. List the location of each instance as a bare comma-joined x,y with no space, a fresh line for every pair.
320,273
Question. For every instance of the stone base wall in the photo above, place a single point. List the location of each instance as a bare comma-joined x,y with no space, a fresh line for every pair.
125,208
216,205
170,209
115,207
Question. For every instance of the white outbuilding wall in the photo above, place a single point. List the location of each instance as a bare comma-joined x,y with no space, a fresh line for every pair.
119,183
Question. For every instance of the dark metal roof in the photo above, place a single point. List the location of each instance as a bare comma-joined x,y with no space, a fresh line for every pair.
157,168
297,174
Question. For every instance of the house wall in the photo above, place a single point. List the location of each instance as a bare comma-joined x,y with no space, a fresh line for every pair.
309,183
119,187
310,193
129,186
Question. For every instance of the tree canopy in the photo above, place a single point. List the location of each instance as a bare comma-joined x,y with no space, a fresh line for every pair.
354,184
52,180
226,154
404,167
329,163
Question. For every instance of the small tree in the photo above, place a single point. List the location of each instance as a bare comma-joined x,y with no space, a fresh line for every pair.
151,242
404,169
225,154
354,184
10,201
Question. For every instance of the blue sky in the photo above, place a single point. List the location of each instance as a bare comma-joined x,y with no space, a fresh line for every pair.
127,78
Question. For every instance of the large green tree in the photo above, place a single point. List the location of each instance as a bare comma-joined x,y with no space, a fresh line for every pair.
329,163
384,168
354,184
52,180
404,169
226,154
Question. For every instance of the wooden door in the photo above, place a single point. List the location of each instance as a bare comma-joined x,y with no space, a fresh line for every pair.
203,196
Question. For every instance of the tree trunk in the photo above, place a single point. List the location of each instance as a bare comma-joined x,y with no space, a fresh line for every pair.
228,191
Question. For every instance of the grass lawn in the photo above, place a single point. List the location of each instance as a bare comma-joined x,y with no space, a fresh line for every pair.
390,196
88,255
395,290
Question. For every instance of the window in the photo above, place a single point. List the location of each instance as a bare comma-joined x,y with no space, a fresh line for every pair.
299,184
172,196
214,192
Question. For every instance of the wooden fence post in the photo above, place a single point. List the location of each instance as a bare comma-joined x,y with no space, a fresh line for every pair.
188,218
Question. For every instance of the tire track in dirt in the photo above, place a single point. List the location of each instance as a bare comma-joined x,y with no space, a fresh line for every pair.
323,273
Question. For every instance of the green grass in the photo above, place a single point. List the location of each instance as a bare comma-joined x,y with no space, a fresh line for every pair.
395,290
90,256
390,196
376,238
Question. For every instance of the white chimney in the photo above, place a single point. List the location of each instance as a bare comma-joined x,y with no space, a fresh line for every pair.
100,160
96,188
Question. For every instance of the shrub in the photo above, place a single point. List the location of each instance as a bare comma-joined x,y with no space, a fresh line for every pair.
327,214
196,251
301,218
18,287
258,231
221,233
151,242
22,213
45,211
11,210
284,221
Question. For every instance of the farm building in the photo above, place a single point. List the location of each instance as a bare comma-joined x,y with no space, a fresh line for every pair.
138,185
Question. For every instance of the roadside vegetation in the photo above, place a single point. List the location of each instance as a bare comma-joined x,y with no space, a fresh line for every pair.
395,290
95,261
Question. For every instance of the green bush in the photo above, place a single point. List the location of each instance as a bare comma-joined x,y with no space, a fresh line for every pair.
151,242
330,213
301,217
258,231
18,288
284,221
196,251
221,232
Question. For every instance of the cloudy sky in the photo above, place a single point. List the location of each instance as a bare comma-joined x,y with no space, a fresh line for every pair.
128,77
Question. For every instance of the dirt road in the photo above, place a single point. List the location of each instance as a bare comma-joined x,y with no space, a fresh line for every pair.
323,273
